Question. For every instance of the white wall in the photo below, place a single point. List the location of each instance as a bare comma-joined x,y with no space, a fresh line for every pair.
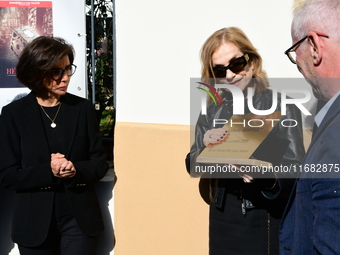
158,44
69,23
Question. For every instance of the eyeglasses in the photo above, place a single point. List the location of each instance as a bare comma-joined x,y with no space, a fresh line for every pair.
57,73
291,51
235,66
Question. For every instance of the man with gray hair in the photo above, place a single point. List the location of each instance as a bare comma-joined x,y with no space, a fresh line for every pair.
311,223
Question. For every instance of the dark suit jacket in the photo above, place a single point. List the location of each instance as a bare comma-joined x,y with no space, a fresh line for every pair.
311,222
25,166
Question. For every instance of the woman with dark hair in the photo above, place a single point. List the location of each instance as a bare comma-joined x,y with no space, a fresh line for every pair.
52,155
245,211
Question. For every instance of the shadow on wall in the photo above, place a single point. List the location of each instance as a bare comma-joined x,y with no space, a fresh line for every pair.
106,240
6,202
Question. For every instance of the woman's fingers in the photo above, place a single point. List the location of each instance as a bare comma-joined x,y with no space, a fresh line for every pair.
214,136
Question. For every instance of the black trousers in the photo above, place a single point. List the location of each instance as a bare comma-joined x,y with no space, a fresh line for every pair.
233,233
65,236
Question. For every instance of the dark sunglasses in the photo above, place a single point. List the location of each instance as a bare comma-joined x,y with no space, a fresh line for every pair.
235,66
57,73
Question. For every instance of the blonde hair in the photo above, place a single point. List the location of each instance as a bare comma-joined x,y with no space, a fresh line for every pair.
238,37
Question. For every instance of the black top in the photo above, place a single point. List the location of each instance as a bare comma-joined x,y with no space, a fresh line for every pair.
55,141
54,135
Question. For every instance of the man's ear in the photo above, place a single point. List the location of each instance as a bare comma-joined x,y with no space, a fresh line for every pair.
315,48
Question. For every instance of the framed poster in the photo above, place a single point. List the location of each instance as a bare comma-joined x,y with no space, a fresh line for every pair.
21,22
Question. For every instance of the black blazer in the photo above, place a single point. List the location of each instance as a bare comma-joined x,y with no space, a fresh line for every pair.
310,223
25,166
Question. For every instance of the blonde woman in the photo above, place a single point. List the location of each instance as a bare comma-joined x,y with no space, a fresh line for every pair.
245,211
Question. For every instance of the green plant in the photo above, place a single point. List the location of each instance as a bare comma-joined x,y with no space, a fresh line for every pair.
102,78
106,121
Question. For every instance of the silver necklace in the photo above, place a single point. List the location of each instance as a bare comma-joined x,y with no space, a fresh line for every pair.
53,125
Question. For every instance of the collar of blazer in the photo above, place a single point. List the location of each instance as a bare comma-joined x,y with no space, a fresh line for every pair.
32,121
333,111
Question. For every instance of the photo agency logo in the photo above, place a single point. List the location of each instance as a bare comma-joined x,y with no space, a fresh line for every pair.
239,103
213,94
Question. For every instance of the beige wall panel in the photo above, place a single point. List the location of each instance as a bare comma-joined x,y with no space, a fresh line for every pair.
158,208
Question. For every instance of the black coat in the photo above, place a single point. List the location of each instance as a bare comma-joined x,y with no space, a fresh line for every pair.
236,205
25,166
